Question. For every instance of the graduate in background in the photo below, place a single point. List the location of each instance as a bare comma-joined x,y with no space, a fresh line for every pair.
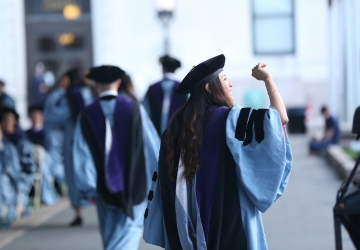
25,149
52,167
10,176
61,109
220,165
5,99
117,148
161,100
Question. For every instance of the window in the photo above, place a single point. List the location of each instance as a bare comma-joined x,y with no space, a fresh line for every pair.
46,44
273,27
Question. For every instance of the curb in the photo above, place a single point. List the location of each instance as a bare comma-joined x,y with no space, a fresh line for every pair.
342,163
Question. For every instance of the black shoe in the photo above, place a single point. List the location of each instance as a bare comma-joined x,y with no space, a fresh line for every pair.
77,222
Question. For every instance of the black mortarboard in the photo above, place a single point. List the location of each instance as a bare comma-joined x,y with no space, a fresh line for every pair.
4,110
105,74
73,74
74,77
201,74
169,63
35,107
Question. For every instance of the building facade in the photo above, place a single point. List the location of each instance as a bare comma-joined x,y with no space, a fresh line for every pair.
292,36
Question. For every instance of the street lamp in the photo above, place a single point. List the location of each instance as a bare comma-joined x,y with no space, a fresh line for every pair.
165,9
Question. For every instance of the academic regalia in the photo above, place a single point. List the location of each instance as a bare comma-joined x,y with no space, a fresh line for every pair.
117,147
60,110
27,161
244,166
161,100
52,163
10,176
231,176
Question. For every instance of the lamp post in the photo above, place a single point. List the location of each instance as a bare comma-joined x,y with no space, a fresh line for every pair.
165,9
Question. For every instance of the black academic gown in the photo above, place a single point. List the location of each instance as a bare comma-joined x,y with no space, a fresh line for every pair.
127,153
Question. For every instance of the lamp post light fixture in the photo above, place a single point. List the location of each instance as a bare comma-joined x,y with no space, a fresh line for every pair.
165,9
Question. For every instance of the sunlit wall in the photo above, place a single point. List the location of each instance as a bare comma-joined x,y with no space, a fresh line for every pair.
130,34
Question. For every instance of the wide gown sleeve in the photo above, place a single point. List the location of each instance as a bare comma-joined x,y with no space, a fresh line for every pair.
26,156
146,104
54,143
12,164
84,168
151,143
264,167
154,224
56,109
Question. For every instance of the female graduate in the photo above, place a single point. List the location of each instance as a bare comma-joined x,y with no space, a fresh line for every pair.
61,109
220,165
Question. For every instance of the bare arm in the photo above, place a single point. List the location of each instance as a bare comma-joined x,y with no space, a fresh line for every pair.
259,73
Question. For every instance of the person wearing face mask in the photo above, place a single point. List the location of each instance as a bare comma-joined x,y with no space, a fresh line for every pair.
220,166
161,100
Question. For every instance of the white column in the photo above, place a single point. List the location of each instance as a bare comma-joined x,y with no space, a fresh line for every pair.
349,58
12,53
333,105
357,51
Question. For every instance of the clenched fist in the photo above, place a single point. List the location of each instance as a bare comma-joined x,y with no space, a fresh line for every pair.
259,72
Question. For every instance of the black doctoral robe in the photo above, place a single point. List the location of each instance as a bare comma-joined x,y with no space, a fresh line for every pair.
127,153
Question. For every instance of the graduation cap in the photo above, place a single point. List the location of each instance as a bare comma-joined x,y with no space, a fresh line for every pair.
201,74
5,110
73,74
105,74
169,63
34,108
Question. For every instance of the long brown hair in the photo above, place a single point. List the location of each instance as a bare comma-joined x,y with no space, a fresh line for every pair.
185,130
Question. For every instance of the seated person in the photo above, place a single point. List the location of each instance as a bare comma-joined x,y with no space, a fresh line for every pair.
25,150
332,132
9,181
50,142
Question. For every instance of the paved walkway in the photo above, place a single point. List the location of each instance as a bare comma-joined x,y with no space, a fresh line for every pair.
301,219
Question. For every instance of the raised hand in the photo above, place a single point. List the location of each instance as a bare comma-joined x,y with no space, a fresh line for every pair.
259,72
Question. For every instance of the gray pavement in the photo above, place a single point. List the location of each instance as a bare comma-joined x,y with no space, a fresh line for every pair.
301,219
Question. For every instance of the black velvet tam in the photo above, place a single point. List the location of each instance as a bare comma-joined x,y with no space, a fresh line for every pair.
169,63
34,108
73,74
201,74
105,74
5,110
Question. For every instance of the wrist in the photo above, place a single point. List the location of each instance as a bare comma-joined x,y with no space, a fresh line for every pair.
268,80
